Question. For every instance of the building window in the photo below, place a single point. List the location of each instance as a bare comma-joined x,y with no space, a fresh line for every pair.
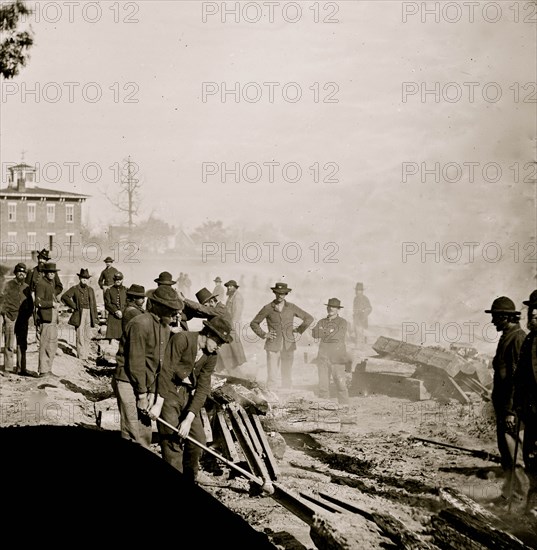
69,213
32,241
12,237
50,240
12,211
31,212
51,213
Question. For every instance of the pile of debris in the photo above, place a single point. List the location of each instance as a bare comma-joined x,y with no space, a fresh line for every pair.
439,374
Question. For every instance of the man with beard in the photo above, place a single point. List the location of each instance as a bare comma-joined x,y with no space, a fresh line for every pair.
183,387
506,320
526,402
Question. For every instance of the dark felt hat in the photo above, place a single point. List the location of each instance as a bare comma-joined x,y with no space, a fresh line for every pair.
280,288
217,280
137,291
334,302
359,286
44,254
204,295
20,268
84,273
503,304
108,260
165,278
50,266
166,296
118,276
532,302
220,327
231,282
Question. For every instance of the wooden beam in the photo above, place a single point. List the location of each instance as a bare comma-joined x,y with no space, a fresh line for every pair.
206,426
229,445
272,465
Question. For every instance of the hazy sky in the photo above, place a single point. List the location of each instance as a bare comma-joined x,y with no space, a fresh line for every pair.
384,89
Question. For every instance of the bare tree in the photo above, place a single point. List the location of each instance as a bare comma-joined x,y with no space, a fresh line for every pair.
14,45
128,198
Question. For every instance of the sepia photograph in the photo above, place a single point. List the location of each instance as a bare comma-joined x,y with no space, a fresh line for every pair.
268,273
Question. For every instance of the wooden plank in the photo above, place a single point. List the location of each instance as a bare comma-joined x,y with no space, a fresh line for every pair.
257,466
392,384
206,426
268,455
229,444
251,431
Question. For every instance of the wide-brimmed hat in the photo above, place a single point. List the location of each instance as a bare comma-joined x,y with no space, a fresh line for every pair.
136,290
44,254
108,260
334,302
118,276
280,288
166,296
503,304
359,286
20,268
84,273
165,278
221,328
49,267
204,295
231,282
217,280
532,302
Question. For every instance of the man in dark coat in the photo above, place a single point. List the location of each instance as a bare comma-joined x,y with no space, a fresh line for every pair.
15,310
506,320
47,304
361,309
280,338
331,331
106,278
526,403
115,299
183,387
135,304
81,299
139,362
37,272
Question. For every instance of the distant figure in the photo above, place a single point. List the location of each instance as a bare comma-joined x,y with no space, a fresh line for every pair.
106,278
187,283
81,299
115,299
219,291
361,311
332,356
280,338
232,355
181,283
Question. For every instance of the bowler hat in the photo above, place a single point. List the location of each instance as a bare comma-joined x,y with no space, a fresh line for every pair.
334,302
165,278
44,254
231,282
167,296
503,304
220,327
204,295
218,280
359,286
136,290
532,302
84,274
118,276
280,288
50,266
108,260
20,268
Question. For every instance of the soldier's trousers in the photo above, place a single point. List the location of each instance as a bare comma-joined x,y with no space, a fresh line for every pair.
530,458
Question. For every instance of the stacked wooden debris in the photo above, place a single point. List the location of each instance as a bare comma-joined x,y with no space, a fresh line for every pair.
439,374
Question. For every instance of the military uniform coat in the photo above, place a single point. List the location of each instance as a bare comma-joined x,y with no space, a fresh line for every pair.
115,299
74,298
332,333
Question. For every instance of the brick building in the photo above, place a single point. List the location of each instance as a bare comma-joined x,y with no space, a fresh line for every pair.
32,218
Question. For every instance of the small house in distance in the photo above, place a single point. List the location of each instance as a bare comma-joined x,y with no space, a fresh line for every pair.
32,218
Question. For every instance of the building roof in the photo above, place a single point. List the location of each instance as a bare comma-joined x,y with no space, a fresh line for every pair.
36,192
20,166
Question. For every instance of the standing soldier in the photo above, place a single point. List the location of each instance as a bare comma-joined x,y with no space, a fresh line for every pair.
218,290
332,356
526,403
47,305
115,299
506,320
361,310
106,278
280,339
16,310
81,299
232,355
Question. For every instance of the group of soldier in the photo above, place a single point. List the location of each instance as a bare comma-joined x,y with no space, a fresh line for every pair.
514,397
